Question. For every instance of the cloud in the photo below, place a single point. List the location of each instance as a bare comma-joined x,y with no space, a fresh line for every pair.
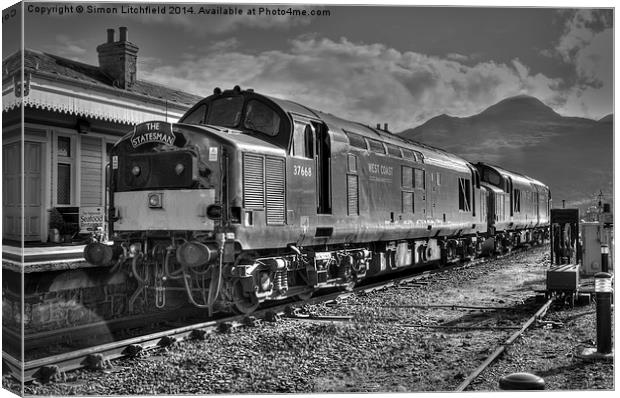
457,57
587,45
68,48
224,45
369,83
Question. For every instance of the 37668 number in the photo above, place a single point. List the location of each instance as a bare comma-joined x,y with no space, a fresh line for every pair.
302,171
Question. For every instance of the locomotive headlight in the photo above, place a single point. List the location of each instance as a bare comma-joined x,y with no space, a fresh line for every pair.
156,200
179,168
214,212
134,249
194,254
99,254
135,170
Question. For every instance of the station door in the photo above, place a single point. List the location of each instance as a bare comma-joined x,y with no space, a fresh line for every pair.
12,191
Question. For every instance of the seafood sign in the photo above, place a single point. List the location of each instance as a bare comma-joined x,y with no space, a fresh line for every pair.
90,218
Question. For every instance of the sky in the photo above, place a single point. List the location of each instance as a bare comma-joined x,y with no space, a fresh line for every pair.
374,64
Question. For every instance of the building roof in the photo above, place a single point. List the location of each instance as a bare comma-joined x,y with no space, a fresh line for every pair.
44,63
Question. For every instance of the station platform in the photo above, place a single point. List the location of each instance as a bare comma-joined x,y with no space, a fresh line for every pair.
43,258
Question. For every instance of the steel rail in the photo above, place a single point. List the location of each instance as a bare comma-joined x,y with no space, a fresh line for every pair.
99,356
540,313
130,322
57,364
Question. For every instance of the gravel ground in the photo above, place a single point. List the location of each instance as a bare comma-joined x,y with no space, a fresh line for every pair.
397,341
550,351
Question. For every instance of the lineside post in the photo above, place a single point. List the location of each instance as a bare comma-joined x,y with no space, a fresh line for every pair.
602,287
604,258
604,295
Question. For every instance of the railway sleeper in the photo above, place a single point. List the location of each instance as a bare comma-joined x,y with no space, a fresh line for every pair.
96,362
167,341
133,350
49,374
198,334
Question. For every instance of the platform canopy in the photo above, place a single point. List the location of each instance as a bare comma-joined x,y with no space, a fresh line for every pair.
65,86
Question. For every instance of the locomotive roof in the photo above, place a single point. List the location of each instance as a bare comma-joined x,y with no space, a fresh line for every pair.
491,187
337,125
516,177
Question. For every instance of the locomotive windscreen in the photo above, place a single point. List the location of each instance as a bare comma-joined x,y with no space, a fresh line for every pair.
491,176
224,112
156,170
246,113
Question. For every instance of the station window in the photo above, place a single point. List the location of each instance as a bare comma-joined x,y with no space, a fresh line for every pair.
64,184
64,170
464,194
64,147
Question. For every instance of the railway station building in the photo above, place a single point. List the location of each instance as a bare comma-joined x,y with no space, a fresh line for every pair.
72,115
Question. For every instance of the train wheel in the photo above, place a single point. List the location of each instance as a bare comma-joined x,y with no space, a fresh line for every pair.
242,303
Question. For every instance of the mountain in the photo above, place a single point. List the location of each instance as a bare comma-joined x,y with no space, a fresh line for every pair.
573,155
520,107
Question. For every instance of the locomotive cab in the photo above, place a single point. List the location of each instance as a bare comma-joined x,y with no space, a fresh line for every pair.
518,206
244,111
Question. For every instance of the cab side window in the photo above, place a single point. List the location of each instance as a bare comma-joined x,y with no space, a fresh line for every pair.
303,140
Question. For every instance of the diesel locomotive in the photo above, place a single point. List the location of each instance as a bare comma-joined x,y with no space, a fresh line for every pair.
251,198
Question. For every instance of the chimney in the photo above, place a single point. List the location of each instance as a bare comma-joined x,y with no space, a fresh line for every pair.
385,125
123,33
118,60
110,35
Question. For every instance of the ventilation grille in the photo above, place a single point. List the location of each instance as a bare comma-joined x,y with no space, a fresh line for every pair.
274,187
352,196
253,181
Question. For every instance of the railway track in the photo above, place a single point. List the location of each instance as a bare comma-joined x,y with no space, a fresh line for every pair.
499,350
53,367
38,343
